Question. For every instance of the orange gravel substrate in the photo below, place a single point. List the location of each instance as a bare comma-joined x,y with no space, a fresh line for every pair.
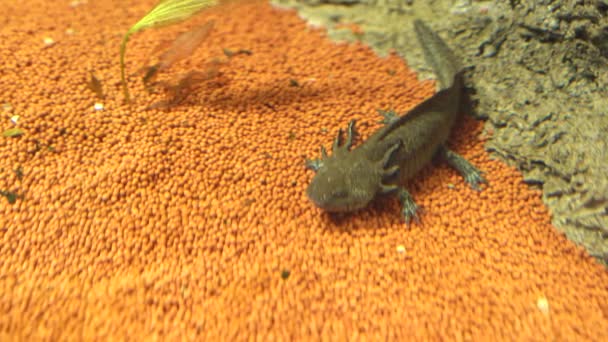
193,222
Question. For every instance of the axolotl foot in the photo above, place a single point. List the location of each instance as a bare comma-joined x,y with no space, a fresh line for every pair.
313,164
471,174
409,208
390,116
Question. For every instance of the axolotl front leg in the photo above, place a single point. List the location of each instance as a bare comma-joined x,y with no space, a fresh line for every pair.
409,208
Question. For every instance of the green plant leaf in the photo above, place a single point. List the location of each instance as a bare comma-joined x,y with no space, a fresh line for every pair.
169,12
165,13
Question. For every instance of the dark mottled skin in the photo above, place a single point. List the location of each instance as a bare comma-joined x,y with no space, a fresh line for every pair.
350,179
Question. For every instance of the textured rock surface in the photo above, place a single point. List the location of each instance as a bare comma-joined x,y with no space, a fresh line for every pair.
538,74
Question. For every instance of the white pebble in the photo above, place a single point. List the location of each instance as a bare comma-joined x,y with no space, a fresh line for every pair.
48,41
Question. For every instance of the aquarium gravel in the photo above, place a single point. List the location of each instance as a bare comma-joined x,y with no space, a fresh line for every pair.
183,214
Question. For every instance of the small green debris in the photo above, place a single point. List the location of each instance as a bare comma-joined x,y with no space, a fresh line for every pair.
247,202
7,107
94,84
19,173
150,75
13,132
39,147
270,105
451,186
10,196
292,136
285,274
293,83
391,72
229,53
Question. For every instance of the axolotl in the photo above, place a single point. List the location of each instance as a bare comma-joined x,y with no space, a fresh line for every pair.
348,180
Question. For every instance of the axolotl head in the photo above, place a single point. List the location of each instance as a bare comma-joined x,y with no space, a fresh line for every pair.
346,180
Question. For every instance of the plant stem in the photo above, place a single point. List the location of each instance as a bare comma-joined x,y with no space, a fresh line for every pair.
123,48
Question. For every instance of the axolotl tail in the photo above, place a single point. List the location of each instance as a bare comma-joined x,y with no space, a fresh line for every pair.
437,54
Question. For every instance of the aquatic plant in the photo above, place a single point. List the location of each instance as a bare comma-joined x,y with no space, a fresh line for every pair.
182,47
165,13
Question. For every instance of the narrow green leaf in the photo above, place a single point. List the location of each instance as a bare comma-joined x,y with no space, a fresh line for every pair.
169,12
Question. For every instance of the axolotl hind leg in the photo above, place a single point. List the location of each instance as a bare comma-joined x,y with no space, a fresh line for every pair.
468,171
471,175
